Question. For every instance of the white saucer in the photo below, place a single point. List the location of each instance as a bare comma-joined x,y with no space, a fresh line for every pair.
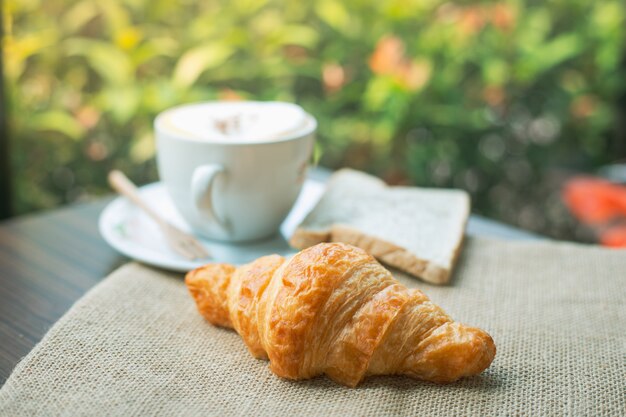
130,231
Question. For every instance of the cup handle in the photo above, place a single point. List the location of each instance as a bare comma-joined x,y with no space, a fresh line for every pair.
202,182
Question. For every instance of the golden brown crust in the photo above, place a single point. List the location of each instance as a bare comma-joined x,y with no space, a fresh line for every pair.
332,309
244,297
362,336
306,283
450,352
208,285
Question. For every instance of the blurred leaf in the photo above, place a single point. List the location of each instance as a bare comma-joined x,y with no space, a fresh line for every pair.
128,37
558,50
608,16
300,35
159,95
78,15
116,15
111,63
378,92
549,55
57,121
249,6
197,60
152,48
496,72
120,102
535,28
334,14
18,50
143,148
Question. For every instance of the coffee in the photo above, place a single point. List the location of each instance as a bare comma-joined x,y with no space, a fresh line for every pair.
234,169
237,122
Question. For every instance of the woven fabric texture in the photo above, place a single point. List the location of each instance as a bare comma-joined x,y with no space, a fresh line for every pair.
135,345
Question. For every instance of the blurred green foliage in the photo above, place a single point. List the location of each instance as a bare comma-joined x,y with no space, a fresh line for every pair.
486,96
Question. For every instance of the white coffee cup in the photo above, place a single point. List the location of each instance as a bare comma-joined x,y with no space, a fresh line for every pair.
234,169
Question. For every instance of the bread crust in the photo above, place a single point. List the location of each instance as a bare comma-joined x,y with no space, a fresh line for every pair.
385,251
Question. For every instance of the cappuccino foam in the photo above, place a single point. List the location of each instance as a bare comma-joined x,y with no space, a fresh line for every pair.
236,122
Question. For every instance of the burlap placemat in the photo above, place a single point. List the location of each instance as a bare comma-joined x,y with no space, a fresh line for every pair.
135,345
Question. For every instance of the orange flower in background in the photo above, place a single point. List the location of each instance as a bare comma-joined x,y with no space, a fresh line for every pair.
389,59
471,19
583,106
503,16
88,116
614,237
416,74
594,200
334,77
494,95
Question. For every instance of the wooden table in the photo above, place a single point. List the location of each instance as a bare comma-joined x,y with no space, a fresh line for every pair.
49,260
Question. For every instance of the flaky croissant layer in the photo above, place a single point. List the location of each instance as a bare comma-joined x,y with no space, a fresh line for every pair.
333,309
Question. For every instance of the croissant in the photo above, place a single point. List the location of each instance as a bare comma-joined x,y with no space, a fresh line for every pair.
333,309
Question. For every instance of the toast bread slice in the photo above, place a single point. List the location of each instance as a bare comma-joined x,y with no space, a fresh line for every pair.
417,230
